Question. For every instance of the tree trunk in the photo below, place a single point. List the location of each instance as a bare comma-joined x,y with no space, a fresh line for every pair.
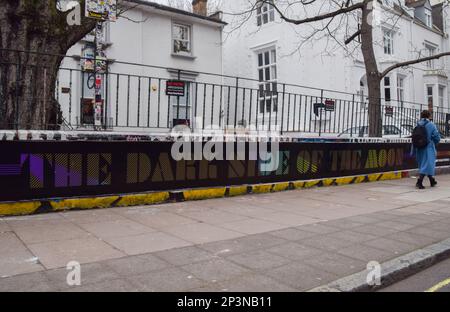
373,75
27,86
34,36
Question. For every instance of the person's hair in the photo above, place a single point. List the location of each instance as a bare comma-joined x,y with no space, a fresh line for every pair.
425,114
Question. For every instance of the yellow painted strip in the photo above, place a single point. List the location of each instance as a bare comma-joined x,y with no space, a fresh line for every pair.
390,176
279,187
360,179
83,203
237,190
344,181
327,182
298,184
262,188
309,184
439,286
204,194
19,208
373,177
143,199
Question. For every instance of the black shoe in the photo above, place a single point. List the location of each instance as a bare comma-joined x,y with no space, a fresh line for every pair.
419,185
433,182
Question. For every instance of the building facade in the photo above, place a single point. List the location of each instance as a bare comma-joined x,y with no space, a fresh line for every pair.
147,46
307,62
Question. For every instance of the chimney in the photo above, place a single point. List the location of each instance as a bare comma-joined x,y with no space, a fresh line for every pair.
200,7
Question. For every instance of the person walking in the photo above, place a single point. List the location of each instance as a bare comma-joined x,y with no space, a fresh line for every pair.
425,138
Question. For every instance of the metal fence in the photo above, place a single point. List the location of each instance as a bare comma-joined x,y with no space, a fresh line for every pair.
134,98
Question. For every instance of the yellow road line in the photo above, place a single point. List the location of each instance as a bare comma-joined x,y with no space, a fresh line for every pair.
439,286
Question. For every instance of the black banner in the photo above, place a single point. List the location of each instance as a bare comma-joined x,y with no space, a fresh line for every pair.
49,169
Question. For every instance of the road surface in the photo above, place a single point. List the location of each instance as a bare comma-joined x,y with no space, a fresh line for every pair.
433,279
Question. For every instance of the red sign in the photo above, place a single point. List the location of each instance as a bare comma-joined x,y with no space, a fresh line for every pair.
389,111
175,88
329,105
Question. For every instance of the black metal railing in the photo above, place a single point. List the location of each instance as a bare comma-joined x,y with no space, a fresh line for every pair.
134,98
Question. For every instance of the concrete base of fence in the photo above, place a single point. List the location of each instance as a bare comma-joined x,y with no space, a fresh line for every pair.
151,198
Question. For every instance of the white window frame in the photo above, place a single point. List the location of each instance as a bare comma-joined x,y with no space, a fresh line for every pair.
428,18
401,88
431,49
387,88
428,96
388,41
267,77
265,13
188,40
441,97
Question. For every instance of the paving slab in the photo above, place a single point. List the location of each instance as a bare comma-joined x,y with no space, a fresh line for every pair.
146,243
215,270
301,276
171,279
15,257
57,254
203,233
185,255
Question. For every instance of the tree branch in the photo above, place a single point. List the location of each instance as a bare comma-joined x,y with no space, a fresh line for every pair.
352,37
416,61
342,10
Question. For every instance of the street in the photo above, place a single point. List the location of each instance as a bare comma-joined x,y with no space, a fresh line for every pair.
433,279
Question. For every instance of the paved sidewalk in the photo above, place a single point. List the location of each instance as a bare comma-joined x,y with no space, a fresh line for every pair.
289,241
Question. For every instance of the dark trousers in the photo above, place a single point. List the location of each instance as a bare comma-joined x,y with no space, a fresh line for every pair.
422,176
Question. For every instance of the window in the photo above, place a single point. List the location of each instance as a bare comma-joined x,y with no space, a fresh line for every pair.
431,50
387,89
441,96
430,97
265,13
400,89
388,40
267,76
181,107
428,18
181,37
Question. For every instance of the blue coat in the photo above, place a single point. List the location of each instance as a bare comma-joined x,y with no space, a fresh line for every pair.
426,157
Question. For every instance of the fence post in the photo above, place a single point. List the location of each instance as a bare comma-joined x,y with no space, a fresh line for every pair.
236,103
105,104
282,109
178,99
320,112
353,110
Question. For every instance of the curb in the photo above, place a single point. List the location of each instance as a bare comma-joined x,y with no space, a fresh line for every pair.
393,270
151,198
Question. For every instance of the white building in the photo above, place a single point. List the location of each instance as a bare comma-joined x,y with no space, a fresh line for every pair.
175,44
274,52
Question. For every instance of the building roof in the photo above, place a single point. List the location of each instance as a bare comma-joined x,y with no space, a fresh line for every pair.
415,3
438,18
166,8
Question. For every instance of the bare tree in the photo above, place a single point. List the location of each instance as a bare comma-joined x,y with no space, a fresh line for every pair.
27,80
332,17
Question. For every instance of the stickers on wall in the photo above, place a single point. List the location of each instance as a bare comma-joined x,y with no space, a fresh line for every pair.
104,10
